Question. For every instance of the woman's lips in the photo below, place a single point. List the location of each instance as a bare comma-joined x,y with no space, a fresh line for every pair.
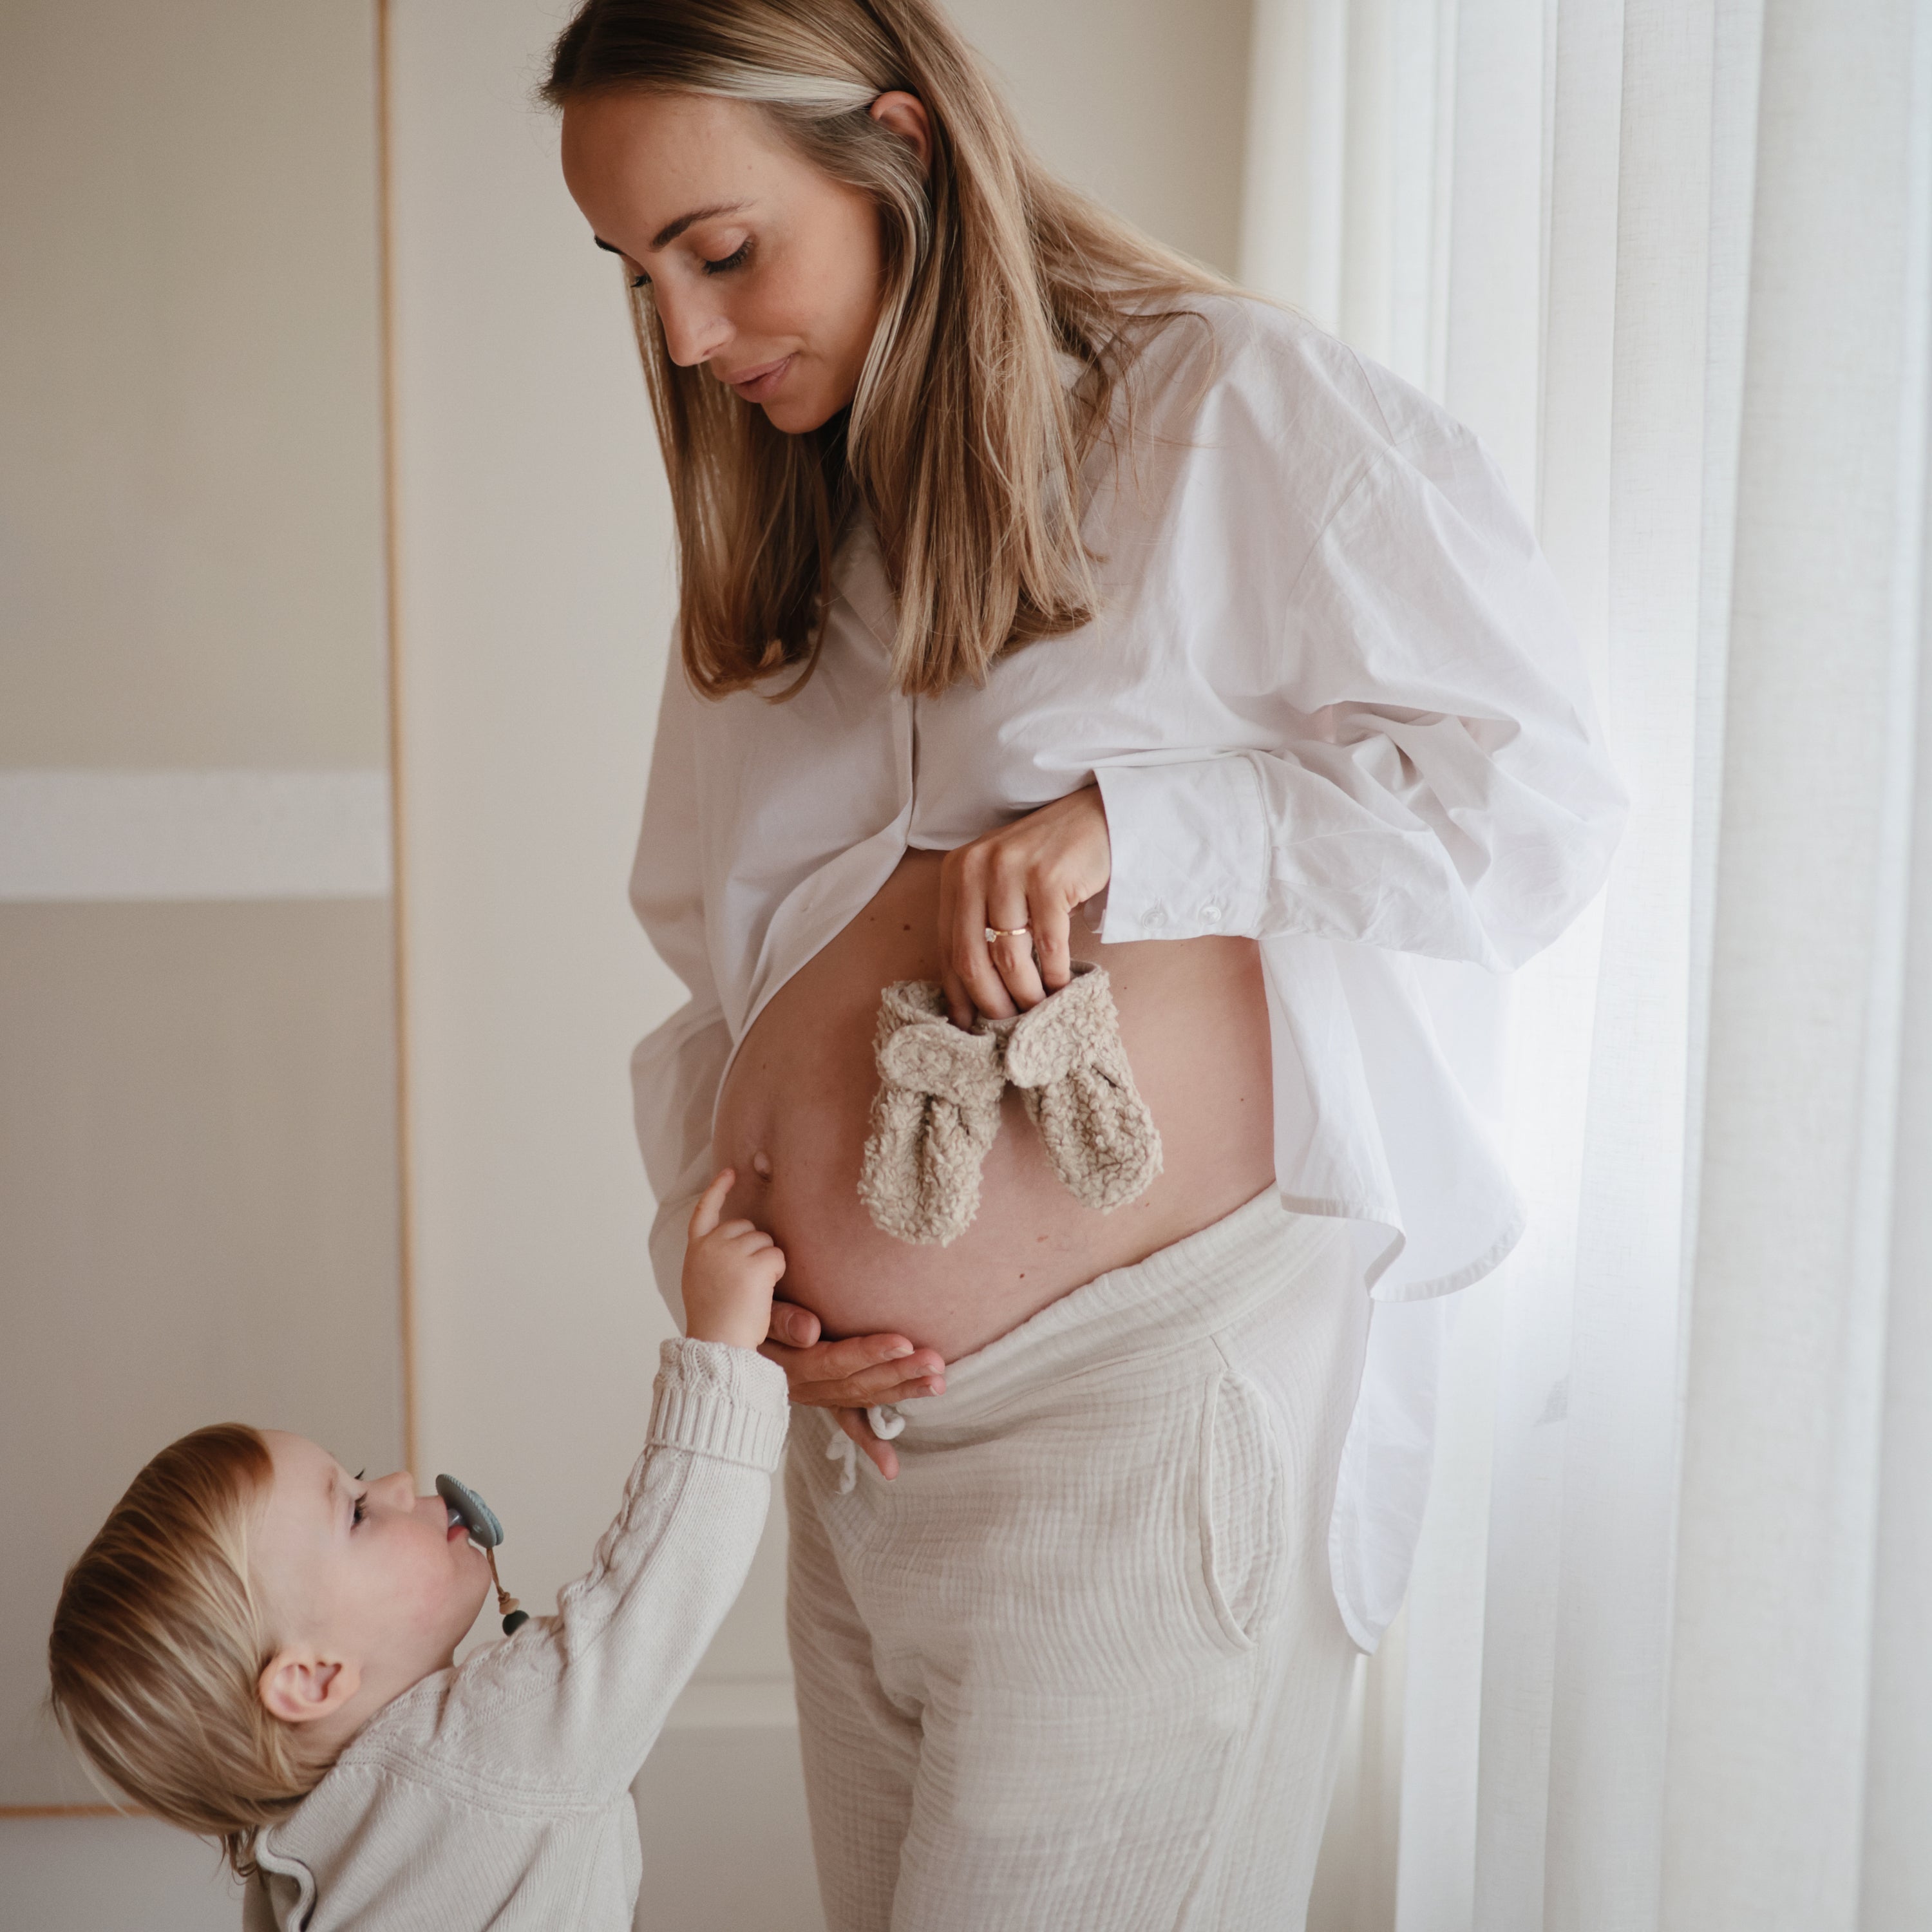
755,385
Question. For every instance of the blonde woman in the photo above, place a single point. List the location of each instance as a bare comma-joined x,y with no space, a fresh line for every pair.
1043,599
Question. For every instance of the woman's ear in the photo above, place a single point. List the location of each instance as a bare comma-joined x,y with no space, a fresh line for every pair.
298,1687
905,114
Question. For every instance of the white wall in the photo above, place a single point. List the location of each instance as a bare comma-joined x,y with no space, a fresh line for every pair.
1142,103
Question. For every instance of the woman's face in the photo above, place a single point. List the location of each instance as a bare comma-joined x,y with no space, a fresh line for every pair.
763,268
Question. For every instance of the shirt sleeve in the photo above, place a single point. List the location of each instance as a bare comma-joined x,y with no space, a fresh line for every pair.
675,1069
573,1703
1439,784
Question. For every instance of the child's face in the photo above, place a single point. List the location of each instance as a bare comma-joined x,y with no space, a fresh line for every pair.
369,1588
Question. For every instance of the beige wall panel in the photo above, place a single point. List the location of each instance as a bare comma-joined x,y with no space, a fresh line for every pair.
198,1220
535,589
1142,103
190,505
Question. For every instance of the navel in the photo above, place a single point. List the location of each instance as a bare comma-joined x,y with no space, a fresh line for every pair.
761,1164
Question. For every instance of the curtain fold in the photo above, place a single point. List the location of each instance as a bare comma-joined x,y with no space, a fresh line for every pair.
1663,1662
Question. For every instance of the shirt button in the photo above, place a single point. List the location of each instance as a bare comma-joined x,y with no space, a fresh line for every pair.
1213,913
1154,916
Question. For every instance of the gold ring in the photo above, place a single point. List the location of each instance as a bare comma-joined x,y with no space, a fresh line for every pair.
994,932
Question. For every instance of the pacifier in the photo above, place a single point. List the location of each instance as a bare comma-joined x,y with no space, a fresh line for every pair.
480,1522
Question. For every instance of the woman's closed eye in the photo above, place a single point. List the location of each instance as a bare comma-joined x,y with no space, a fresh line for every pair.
722,266
736,260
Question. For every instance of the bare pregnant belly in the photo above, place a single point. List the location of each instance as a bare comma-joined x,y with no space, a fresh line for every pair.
794,1116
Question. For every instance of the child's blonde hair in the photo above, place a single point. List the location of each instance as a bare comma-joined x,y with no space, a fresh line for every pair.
160,1639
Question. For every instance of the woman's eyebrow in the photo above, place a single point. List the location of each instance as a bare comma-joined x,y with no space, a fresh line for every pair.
671,230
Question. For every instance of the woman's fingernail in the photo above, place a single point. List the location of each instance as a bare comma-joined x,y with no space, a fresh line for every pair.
897,1350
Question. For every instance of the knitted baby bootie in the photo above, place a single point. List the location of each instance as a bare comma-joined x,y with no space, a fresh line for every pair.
1065,1057
936,1113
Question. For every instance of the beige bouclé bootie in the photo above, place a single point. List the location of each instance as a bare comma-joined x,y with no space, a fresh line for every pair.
936,1113
937,1108
1066,1057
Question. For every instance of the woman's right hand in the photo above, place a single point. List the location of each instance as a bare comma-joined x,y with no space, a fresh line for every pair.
860,1372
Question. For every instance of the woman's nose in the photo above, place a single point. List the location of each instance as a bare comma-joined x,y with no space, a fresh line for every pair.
694,332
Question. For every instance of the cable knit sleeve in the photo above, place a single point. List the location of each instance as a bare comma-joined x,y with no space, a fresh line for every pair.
568,1708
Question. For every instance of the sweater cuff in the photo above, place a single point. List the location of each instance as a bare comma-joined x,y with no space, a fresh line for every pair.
713,1399
1190,849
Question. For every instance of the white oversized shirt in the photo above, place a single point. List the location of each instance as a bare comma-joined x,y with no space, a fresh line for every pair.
1332,700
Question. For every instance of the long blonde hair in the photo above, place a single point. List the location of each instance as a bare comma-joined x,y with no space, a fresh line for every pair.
158,1641
964,443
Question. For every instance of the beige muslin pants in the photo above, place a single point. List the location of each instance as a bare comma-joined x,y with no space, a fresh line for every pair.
1080,1667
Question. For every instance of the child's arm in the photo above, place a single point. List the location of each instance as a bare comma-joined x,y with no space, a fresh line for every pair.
573,1704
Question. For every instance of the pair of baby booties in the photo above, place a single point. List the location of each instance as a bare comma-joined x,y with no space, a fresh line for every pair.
937,1108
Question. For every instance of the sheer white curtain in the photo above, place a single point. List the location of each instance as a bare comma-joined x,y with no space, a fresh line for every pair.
1667,1658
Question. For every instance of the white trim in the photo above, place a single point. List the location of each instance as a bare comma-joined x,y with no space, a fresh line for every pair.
194,835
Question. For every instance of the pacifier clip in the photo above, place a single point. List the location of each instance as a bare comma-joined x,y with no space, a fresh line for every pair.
481,1521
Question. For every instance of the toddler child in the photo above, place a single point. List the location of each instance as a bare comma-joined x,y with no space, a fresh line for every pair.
259,1647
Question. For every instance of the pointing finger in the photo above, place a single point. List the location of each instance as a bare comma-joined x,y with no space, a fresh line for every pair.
711,1204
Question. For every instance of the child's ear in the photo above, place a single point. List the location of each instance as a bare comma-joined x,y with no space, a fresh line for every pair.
298,1687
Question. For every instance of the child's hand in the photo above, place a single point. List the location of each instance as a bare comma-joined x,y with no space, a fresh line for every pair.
729,1271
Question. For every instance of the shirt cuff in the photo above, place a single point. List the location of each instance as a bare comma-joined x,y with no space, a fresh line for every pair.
1190,849
713,1399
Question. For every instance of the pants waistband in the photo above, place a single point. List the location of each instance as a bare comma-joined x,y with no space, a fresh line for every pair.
1177,1294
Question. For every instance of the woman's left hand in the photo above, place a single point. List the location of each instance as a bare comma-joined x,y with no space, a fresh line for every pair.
1025,879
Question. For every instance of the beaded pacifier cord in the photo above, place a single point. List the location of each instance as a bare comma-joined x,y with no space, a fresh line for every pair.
467,1507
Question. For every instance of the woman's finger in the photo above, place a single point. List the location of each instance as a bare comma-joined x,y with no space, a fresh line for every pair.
922,1374
958,1003
870,1388
1052,940
1010,911
874,1388
854,1423
836,1362
855,1354
711,1204
962,940
797,1327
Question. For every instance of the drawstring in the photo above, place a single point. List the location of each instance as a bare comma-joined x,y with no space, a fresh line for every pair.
886,1422
842,1449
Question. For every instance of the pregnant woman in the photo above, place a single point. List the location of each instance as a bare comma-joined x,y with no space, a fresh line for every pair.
1043,600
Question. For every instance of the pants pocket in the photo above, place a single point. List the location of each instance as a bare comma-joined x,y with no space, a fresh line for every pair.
1242,1491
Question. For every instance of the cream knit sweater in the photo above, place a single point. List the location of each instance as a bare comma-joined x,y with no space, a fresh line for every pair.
498,1793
